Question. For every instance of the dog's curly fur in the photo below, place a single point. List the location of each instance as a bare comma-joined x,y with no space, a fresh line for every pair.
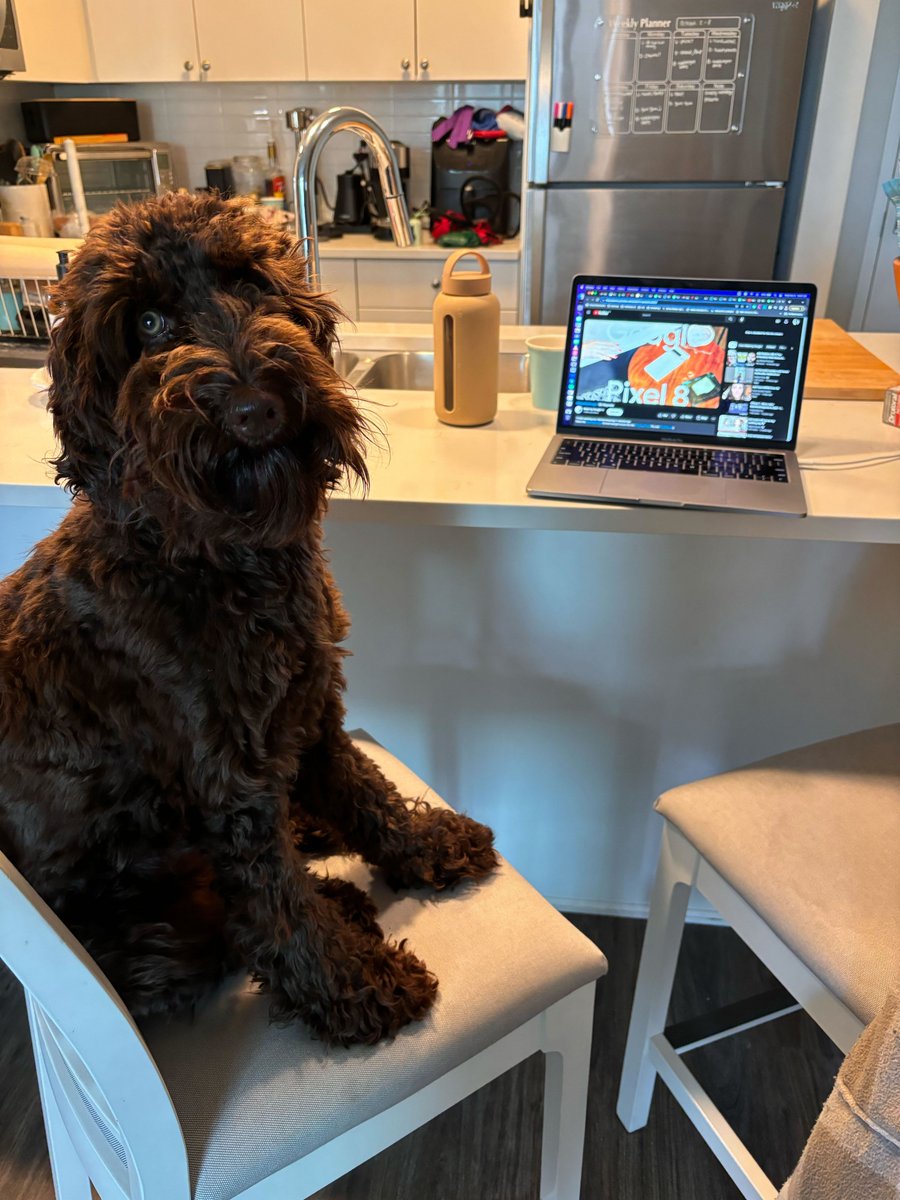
171,715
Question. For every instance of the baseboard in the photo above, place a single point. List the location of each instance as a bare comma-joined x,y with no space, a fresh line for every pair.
696,915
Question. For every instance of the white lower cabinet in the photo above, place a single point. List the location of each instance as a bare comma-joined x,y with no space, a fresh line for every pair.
418,316
412,286
339,280
400,290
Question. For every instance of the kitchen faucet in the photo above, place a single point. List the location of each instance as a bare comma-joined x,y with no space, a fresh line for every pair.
312,143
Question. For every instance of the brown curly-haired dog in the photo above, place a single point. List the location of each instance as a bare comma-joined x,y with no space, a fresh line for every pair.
171,737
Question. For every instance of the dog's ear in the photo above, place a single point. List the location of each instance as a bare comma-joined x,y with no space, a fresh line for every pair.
88,356
321,316
347,434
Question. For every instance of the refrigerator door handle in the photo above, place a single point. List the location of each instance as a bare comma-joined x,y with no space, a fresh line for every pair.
539,99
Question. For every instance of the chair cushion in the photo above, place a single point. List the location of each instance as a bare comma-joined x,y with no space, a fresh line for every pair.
253,1098
811,839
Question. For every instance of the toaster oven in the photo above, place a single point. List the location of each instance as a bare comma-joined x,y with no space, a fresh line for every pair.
113,172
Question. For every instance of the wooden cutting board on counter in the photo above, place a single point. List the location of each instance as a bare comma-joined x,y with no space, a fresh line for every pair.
840,368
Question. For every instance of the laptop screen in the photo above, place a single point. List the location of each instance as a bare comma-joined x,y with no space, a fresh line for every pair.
686,360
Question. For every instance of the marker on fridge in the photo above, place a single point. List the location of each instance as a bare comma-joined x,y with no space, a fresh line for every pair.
561,132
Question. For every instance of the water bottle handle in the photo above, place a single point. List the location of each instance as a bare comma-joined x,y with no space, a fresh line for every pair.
454,258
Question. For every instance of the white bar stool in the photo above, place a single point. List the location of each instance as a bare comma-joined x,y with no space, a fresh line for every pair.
226,1105
800,854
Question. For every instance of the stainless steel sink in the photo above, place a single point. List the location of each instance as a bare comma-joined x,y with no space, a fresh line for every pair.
413,371
345,361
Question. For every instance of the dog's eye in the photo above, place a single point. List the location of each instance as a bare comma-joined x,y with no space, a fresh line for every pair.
152,323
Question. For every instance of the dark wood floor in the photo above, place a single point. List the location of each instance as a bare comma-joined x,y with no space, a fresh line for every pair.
770,1082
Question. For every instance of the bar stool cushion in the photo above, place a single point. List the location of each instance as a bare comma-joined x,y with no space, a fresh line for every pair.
811,840
253,1098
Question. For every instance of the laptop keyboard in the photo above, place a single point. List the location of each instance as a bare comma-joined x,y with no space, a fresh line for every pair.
673,460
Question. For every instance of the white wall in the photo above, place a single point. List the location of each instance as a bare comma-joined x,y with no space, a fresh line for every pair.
12,93
836,131
552,684
205,121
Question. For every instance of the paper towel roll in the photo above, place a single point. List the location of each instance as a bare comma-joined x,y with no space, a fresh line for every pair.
29,204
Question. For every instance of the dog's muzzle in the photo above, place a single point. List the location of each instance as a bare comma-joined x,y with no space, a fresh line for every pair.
255,419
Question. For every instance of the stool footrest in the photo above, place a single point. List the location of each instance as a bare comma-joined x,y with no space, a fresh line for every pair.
730,1019
746,1173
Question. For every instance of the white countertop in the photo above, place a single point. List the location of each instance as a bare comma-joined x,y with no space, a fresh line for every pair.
438,475
364,245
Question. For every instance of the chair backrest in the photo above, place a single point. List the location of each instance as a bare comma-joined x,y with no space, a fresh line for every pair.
111,1097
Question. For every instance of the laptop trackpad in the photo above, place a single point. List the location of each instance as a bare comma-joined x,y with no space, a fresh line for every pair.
652,488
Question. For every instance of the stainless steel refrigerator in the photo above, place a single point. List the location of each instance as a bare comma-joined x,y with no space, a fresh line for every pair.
659,140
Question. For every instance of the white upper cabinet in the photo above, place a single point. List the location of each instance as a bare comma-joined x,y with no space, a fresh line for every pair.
240,41
471,39
219,40
55,42
360,40
321,40
139,42
415,39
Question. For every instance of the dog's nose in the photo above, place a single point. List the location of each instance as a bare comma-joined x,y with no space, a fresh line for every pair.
254,417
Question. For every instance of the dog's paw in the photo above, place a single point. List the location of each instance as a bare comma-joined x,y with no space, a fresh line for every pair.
370,997
355,905
444,848
314,838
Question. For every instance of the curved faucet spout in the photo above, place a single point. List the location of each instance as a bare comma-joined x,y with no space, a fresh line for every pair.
341,120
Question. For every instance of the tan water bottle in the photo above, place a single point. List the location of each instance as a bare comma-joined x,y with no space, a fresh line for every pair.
466,344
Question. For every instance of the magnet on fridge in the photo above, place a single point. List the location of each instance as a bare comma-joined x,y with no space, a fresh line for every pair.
561,129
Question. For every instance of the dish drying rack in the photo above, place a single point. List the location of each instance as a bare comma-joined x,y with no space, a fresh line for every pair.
25,309
27,275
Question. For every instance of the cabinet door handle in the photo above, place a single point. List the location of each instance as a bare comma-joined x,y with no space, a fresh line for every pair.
435,283
424,64
404,64
188,65
206,65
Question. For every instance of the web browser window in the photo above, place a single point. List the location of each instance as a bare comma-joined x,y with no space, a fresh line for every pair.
690,361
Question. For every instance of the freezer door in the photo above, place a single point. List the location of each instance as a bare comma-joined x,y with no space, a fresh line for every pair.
703,232
655,91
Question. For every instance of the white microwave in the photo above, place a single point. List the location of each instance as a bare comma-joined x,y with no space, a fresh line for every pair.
11,56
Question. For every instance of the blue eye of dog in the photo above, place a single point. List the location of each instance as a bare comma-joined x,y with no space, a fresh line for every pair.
152,323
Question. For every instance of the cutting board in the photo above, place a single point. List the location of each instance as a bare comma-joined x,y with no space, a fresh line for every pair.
840,368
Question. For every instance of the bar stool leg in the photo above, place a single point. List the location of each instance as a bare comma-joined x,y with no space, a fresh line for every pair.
675,875
70,1180
567,1059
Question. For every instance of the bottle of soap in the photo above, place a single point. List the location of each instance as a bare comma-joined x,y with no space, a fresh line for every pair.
466,344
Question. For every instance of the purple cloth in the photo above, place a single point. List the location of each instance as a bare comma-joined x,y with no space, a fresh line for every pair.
455,128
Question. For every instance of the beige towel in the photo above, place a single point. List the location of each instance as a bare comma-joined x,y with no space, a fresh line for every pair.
853,1152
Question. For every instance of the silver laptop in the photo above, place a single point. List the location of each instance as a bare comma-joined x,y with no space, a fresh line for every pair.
681,392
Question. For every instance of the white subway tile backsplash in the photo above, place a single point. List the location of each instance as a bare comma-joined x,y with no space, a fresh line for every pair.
203,121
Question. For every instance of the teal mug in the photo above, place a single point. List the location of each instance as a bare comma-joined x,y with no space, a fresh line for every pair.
546,354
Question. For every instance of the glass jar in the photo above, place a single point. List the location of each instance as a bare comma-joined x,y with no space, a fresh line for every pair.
249,173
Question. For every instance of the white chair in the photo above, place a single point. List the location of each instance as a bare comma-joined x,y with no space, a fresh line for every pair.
801,855
226,1106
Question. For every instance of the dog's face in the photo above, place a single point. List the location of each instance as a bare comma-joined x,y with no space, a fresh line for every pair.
192,375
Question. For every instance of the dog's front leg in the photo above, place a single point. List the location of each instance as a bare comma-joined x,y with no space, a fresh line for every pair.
414,844
347,983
